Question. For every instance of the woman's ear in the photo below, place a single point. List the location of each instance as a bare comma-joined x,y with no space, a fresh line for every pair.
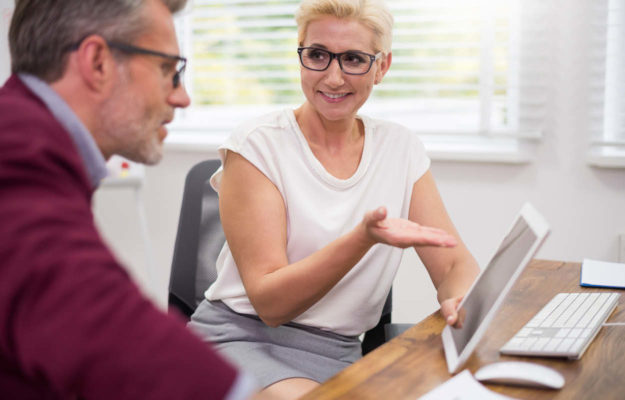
385,64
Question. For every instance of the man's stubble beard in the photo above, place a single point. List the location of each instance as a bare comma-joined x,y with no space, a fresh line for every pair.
124,118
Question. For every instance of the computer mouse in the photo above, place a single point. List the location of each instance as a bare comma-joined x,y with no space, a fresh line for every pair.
520,373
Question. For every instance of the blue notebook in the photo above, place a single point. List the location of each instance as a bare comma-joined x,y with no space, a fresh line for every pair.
602,274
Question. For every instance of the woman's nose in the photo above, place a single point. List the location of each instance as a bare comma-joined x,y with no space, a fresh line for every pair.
334,73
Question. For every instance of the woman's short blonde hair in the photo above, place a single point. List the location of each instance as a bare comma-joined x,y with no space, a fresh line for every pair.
371,13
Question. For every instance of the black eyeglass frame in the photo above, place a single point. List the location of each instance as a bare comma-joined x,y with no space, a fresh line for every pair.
131,49
372,59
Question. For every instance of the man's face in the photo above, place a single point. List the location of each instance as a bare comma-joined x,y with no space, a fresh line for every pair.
144,98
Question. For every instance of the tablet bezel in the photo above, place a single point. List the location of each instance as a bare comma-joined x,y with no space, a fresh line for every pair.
539,226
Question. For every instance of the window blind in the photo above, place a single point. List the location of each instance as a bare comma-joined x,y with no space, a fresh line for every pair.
461,68
608,79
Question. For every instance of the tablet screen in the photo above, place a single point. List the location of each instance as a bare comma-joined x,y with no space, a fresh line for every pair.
505,262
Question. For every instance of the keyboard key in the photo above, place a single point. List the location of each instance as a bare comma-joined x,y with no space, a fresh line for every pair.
562,333
578,345
529,342
565,345
515,344
540,344
524,332
575,332
552,344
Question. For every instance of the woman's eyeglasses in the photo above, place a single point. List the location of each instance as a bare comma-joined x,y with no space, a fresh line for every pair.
351,62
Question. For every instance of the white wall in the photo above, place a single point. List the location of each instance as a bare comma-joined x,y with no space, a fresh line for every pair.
585,206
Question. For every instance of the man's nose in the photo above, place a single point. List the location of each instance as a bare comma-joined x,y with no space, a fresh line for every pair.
179,97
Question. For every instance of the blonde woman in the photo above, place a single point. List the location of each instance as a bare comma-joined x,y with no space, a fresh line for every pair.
317,204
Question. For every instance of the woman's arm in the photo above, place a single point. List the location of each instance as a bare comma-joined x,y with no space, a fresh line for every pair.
452,270
253,216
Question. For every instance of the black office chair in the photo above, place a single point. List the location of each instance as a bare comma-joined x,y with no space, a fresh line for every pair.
198,242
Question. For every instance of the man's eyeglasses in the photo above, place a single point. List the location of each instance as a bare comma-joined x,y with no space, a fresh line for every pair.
351,62
130,49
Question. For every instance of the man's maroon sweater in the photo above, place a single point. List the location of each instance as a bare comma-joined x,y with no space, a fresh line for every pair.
72,324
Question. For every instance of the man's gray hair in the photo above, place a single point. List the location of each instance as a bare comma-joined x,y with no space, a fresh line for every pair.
43,31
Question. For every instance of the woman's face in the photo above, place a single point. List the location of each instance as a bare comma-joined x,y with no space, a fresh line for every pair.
333,94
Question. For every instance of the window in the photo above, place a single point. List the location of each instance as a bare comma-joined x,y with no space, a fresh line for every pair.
466,75
608,79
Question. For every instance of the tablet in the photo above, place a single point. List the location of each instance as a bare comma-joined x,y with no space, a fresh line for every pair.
490,288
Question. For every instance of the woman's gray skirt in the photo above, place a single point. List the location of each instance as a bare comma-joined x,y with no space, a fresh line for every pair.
273,354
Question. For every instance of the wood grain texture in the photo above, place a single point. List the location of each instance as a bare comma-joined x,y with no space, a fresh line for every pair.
414,363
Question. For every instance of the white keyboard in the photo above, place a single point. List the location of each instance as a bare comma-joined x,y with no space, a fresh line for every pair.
564,327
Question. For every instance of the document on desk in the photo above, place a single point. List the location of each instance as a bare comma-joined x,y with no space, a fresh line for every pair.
602,274
463,387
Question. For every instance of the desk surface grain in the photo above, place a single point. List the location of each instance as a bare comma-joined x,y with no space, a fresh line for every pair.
414,363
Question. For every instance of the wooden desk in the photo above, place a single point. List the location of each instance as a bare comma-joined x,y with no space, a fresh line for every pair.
414,363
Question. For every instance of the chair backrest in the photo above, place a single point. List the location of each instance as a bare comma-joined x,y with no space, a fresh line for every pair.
376,336
198,241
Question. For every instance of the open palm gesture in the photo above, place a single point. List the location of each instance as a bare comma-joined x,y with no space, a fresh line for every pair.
403,233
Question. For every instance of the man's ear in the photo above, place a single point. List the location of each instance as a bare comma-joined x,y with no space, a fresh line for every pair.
96,63
385,64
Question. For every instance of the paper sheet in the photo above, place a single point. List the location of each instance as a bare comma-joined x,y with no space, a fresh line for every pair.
602,274
463,387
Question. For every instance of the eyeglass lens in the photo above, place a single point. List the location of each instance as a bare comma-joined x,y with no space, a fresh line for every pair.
177,78
351,62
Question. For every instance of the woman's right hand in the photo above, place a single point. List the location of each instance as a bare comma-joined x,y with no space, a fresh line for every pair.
403,233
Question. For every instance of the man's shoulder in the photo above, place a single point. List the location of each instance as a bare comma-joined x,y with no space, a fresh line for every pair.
18,103
25,119
30,135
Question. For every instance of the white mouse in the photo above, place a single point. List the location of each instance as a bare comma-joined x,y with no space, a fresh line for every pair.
521,373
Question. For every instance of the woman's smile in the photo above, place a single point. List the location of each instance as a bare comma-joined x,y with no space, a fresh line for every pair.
334,97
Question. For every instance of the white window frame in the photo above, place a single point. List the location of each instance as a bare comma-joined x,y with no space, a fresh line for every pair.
607,142
486,145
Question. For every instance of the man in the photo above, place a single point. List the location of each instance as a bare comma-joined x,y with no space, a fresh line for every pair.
91,78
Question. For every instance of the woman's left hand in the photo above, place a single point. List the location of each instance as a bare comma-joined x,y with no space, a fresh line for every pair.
453,316
404,233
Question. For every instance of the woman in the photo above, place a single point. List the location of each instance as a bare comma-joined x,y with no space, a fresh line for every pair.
316,205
